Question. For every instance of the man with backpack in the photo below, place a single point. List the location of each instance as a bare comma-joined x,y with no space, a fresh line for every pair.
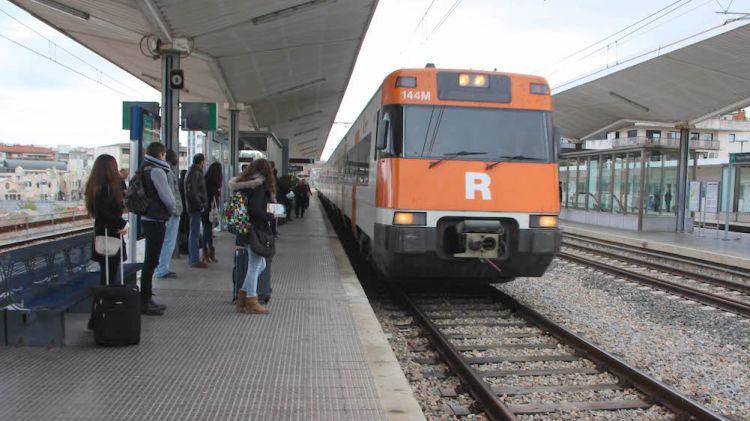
196,198
161,205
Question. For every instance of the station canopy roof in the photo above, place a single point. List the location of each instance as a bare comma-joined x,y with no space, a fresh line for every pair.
288,61
686,85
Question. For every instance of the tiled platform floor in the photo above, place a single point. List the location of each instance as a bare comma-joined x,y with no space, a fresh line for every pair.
203,361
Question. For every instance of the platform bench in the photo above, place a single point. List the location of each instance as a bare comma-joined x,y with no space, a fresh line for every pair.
41,282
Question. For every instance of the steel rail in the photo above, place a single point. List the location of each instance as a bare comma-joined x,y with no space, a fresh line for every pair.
655,389
736,286
733,270
482,392
728,304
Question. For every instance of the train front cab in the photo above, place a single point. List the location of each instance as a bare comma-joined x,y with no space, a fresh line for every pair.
466,177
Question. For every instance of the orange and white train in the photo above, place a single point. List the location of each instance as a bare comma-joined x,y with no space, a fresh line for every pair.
450,174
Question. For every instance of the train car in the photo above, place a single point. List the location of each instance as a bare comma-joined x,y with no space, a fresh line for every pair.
450,174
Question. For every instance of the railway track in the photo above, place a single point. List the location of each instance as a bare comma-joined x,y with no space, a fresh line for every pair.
722,287
34,239
495,344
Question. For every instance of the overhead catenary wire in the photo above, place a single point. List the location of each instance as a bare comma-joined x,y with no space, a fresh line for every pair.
58,46
617,42
65,66
592,45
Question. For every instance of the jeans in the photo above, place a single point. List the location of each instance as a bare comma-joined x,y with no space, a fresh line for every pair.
170,240
154,233
194,234
256,264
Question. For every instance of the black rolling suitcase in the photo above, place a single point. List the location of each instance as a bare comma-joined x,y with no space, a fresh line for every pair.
264,284
240,270
117,312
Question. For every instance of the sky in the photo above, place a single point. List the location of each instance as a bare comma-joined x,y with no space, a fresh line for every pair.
63,94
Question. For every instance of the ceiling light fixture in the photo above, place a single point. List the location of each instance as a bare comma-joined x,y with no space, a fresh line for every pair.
301,116
64,8
306,131
282,13
629,101
301,86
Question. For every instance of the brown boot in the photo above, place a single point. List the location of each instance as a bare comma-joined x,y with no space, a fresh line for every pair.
241,300
212,255
252,306
205,257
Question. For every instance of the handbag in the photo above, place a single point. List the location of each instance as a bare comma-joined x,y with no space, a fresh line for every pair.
262,242
213,215
106,245
109,246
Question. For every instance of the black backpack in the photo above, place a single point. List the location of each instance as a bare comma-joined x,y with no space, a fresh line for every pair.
136,199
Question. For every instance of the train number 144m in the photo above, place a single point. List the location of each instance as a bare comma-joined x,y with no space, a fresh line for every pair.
416,95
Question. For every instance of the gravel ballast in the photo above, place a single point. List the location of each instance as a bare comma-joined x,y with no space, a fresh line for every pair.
702,352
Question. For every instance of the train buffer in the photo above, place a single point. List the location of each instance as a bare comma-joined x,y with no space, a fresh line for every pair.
43,281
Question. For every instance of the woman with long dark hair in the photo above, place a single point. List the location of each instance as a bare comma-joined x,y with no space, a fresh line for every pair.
104,203
258,185
214,178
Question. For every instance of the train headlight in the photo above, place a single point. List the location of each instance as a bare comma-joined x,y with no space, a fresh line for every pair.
543,221
410,218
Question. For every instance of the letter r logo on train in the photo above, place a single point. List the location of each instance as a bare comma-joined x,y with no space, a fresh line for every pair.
478,182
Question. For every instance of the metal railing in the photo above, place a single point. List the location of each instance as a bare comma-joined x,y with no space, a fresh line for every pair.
665,142
37,223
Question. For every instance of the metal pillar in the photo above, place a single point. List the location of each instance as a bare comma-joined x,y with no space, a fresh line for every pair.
170,106
682,178
234,138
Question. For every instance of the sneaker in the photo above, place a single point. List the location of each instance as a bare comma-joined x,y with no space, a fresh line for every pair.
149,309
199,265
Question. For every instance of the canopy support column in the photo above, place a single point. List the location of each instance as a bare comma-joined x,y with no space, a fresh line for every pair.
682,177
170,106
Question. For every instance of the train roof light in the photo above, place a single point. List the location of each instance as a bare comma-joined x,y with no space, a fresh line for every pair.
473,80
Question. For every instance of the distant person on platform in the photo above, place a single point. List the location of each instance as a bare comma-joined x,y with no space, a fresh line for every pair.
668,199
196,198
214,178
302,195
173,224
162,206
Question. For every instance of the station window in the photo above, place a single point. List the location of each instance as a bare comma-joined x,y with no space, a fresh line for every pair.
708,136
694,135
632,133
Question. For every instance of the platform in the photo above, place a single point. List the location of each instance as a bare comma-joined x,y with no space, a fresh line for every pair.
318,355
709,247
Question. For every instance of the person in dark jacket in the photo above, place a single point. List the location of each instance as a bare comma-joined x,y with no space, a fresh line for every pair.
258,185
196,199
301,198
162,205
213,178
104,203
184,217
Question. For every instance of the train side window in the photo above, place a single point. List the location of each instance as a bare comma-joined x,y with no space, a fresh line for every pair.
385,136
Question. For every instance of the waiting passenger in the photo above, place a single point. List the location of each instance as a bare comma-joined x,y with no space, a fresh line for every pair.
258,184
104,203
197,203
213,178
173,224
161,206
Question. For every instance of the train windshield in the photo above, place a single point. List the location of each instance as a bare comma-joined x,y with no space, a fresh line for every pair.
483,134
